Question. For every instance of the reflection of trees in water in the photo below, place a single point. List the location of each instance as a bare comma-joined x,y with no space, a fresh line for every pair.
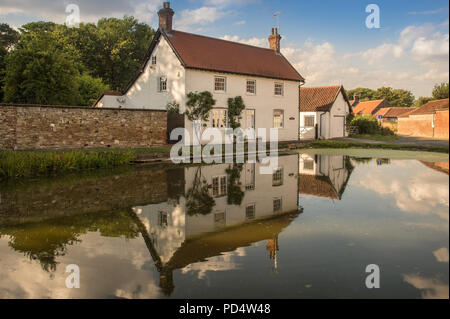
45,241
198,199
362,160
235,195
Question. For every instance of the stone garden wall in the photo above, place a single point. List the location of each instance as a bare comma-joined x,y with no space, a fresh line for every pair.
35,127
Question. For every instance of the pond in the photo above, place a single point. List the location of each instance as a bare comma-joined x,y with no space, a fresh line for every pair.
309,230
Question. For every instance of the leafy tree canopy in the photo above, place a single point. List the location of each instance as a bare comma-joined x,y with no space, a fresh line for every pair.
440,91
110,51
395,97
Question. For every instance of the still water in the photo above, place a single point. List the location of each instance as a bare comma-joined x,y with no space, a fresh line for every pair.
227,231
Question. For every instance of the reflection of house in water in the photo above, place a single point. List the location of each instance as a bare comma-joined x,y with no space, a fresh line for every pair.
222,207
324,175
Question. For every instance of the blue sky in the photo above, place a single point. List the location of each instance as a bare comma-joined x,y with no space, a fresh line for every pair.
327,40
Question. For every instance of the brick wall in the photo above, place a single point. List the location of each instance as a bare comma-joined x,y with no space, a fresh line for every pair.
441,125
416,125
421,125
30,127
66,196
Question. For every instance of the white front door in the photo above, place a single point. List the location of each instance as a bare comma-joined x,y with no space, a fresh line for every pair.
250,121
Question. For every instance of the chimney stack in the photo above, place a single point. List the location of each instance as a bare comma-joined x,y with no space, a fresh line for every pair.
165,17
274,40
356,99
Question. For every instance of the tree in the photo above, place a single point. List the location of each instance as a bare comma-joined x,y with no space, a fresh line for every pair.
235,107
364,94
89,89
440,91
38,71
113,49
395,97
8,39
198,107
421,101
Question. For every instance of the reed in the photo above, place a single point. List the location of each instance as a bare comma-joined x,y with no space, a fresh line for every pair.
18,164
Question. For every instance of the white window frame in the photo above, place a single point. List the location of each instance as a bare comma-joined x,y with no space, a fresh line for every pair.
222,185
220,219
313,119
221,118
224,84
154,60
282,118
281,204
161,80
275,89
278,177
253,207
247,87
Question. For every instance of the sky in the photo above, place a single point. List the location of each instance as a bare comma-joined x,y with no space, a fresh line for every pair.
327,41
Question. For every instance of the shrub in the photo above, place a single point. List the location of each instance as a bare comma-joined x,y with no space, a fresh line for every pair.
366,124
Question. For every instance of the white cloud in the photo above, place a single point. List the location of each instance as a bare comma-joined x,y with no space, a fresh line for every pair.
228,3
200,16
431,288
415,61
257,42
242,22
441,255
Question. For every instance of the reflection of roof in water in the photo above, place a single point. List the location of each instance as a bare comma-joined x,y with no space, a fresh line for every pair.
229,239
320,186
442,167
226,240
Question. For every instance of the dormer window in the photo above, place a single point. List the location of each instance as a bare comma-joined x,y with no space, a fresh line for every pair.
162,84
154,60
279,89
220,84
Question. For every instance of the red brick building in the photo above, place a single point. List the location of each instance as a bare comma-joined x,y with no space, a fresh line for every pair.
429,120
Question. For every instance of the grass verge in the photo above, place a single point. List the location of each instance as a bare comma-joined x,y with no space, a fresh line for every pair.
340,144
18,164
375,137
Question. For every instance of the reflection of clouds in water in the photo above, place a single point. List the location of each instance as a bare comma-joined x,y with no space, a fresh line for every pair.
224,262
436,226
441,254
426,193
431,288
109,267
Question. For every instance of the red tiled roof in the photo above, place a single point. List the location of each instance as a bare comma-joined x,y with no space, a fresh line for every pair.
367,108
397,111
211,54
429,108
383,111
319,186
319,99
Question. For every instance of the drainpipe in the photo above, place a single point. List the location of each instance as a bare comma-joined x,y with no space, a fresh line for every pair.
299,113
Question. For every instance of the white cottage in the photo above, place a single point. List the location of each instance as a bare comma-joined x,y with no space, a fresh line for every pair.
178,63
323,112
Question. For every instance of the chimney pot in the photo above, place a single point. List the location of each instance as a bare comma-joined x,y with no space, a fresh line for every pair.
274,40
165,17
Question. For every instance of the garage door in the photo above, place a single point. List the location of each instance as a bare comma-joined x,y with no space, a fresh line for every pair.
338,126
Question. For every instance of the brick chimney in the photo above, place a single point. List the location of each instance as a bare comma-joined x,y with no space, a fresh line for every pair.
356,99
274,40
165,17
